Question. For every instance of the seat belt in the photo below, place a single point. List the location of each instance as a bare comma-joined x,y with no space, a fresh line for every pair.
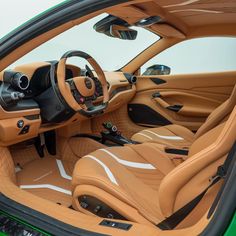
222,171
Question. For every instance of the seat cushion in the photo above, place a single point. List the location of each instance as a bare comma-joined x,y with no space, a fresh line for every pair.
128,175
170,135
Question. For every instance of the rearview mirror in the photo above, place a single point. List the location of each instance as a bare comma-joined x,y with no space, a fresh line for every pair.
115,27
123,32
157,70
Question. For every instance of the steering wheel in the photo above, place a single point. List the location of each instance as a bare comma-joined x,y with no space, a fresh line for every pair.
81,92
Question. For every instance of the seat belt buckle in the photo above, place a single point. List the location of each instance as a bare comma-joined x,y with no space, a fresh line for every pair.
220,174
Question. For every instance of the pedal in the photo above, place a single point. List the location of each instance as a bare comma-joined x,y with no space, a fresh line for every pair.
50,142
39,145
18,168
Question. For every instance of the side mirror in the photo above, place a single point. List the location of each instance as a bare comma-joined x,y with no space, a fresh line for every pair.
157,70
115,27
123,32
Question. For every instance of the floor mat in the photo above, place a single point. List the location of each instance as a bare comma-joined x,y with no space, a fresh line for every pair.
49,178
23,154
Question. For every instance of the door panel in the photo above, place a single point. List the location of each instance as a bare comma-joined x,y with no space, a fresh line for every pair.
181,99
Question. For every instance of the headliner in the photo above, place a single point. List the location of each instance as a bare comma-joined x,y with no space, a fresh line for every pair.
191,17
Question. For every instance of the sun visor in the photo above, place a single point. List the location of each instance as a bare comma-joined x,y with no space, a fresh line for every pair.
167,30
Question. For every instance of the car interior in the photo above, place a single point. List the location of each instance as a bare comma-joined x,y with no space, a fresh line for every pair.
121,152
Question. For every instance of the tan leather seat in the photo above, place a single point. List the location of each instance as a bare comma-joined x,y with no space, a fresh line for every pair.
142,184
176,135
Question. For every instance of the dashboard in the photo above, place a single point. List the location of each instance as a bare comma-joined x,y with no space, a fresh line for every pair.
21,106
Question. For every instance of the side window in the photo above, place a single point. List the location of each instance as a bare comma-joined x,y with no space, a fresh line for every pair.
213,54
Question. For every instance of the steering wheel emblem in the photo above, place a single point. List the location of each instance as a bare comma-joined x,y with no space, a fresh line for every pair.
88,83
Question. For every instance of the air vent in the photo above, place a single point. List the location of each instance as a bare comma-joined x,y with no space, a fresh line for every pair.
131,78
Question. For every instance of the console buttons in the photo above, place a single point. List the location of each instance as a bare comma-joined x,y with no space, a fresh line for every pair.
84,205
97,209
110,216
20,124
117,225
82,100
25,130
114,129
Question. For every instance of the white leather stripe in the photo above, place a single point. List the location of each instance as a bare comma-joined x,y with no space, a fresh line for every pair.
129,163
48,186
164,137
182,4
197,10
62,170
145,135
107,170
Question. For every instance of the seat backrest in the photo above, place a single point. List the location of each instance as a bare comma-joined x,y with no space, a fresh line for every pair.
191,177
218,115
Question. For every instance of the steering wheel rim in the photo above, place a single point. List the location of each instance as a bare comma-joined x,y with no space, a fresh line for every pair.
80,82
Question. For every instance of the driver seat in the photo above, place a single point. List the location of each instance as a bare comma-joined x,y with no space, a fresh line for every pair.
179,136
141,184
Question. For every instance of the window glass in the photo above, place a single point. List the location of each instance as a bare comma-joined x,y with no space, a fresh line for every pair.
111,53
200,55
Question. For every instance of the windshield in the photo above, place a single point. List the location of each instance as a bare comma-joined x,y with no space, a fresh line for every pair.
110,53
20,12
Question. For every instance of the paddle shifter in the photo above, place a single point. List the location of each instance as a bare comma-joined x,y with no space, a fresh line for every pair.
113,135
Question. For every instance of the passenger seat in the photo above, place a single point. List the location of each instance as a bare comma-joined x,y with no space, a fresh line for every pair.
141,184
180,136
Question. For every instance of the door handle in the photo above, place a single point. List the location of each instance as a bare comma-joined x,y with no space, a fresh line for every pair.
175,108
158,98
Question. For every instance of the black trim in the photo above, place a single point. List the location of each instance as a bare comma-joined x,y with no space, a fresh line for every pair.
95,110
131,78
74,53
143,114
53,107
175,108
40,220
156,95
116,225
32,117
21,105
182,152
158,81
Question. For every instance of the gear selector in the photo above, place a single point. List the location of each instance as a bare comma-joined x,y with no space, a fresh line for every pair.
113,135
110,127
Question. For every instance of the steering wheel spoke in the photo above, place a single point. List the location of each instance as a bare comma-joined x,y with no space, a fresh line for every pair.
89,72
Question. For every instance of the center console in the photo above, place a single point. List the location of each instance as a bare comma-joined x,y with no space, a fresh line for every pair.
111,134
